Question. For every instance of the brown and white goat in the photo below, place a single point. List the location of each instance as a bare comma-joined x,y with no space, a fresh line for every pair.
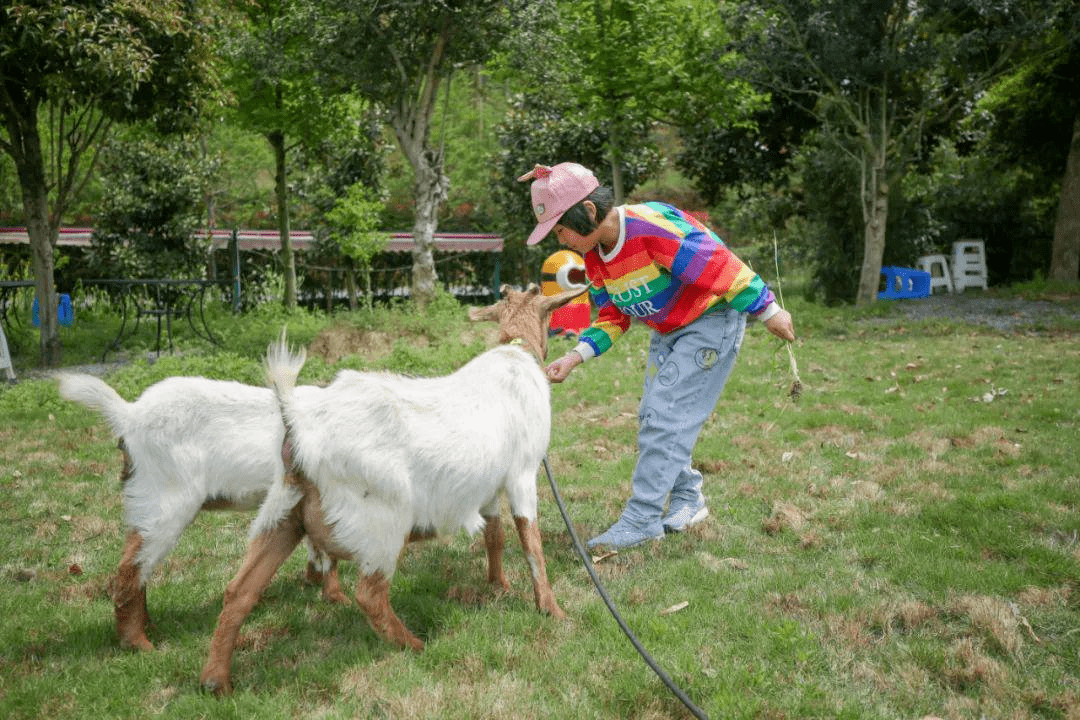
377,460
189,444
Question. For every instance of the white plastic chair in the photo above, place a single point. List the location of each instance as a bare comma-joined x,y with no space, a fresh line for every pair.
938,267
969,264
5,356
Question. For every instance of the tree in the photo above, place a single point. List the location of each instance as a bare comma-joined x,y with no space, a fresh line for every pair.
148,221
877,76
614,75
74,69
1033,118
272,77
354,222
398,54
1065,261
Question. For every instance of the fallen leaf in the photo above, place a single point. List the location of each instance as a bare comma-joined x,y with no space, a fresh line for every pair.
604,556
675,608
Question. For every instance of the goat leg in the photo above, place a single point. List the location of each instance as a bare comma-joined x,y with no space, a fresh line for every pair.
373,596
493,541
332,591
323,570
265,555
129,597
529,532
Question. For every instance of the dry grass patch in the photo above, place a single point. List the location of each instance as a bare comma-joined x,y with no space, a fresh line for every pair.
87,527
967,665
784,516
466,691
997,620
901,616
1045,597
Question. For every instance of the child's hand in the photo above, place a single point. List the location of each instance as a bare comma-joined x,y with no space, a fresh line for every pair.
781,326
560,369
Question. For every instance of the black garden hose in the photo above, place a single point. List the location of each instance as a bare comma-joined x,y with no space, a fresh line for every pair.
697,712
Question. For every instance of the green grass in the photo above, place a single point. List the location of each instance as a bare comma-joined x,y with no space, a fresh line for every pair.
893,545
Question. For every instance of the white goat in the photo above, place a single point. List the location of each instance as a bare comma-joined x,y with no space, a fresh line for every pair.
379,460
189,444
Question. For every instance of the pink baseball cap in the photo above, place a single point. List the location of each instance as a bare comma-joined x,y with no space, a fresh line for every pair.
554,191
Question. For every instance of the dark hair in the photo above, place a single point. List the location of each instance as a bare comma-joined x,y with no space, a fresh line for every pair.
577,217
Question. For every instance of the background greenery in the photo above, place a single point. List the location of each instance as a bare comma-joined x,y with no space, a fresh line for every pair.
768,118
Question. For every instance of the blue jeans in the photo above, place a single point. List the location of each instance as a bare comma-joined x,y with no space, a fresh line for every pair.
687,371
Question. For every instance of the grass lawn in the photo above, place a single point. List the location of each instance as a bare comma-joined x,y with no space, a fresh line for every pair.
901,542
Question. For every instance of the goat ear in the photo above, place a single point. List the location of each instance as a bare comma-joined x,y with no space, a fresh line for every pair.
533,289
557,301
491,312
504,289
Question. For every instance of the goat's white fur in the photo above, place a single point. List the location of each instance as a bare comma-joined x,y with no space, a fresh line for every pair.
390,454
190,442
377,459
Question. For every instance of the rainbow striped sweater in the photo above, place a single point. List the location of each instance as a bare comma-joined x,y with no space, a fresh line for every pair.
666,270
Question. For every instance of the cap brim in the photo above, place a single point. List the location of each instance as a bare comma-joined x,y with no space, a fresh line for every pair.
541,231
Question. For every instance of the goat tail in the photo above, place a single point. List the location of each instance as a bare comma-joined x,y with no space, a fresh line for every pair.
282,368
94,393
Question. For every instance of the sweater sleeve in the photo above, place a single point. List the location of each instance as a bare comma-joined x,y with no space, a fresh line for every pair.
609,326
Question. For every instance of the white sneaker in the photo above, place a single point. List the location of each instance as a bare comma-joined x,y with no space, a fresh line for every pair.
683,514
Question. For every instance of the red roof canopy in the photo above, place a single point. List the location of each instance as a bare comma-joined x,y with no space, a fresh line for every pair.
270,239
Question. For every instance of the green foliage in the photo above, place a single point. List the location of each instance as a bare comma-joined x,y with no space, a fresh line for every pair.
878,82
243,179
985,196
354,222
131,60
148,222
832,232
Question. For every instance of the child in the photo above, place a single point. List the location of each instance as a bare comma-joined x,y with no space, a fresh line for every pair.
662,266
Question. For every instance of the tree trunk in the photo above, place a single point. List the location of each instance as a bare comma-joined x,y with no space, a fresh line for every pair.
350,282
281,193
42,241
423,253
22,126
368,299
875,199
1065,257
429,190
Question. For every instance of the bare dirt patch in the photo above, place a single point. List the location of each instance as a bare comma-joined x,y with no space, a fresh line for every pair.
338,341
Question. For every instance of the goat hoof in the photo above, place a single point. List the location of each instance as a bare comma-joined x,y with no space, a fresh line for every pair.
217,687
338,597
554,611
141,644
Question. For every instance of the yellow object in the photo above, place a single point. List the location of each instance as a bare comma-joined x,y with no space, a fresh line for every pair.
562,271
